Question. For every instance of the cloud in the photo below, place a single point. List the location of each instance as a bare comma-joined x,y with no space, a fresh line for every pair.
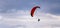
16,20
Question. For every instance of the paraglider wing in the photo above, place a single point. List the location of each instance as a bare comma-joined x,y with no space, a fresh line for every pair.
33,10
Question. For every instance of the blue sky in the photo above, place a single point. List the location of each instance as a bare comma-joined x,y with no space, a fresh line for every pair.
8,5
16,14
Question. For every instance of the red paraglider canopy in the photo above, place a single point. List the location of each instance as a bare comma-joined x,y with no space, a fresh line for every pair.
33,10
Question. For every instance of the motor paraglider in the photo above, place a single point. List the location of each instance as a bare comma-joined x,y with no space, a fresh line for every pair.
33,10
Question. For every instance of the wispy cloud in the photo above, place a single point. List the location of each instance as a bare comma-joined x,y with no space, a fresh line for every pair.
17,21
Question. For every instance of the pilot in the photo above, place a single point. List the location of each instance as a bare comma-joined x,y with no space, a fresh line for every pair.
38,20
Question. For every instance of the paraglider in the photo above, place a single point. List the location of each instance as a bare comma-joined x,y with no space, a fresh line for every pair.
33,10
